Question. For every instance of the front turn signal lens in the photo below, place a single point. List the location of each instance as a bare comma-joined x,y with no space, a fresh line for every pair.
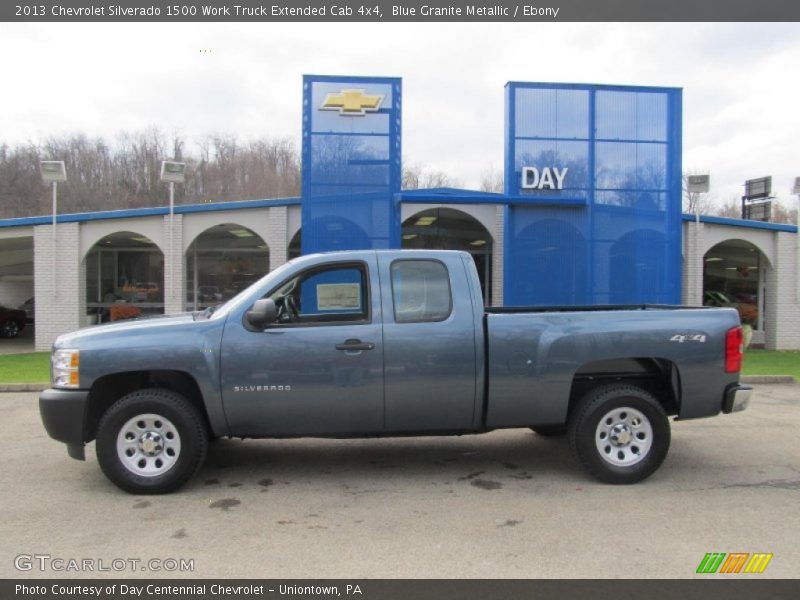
65,371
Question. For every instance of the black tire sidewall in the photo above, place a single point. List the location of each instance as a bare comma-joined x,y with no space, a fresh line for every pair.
8,334
550,430
175,408
595,406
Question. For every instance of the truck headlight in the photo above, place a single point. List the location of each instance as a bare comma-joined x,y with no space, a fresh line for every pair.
65,368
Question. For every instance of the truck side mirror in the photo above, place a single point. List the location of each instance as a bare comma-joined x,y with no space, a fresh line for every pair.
263,313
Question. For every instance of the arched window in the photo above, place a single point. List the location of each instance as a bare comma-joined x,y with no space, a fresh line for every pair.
733,275
124,277
221,262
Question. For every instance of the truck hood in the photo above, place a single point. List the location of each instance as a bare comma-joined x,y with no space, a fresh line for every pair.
154,324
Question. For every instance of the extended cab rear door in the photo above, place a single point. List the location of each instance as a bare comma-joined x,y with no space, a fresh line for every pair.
429,342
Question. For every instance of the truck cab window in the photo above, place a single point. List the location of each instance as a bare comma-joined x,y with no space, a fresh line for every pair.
421,291
323,295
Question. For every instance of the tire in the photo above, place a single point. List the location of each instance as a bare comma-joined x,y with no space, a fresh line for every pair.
619,433
151,441
550,430
11,328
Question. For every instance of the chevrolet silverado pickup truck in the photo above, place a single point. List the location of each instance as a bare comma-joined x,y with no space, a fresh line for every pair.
388,343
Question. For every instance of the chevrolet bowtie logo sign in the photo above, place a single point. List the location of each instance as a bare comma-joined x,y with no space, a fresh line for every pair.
353,103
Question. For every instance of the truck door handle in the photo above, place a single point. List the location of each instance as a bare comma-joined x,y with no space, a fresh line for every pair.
355,346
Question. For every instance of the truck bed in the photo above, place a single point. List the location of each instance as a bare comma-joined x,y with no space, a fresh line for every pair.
534,355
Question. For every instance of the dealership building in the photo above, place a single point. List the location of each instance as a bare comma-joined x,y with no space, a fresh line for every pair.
590,215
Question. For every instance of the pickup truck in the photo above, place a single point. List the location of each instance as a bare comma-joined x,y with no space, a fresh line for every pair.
388,343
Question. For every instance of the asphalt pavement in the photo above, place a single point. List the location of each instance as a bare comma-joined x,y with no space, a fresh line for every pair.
504,504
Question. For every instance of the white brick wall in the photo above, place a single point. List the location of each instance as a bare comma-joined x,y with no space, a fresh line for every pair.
278,220
693,234
60,295
498,234
781,303
174,264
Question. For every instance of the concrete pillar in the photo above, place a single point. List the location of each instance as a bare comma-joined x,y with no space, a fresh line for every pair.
782,318
60,294
498,252
692,293
174,264
277,240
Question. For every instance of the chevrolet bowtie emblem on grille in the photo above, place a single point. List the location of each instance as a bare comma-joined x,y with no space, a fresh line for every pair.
353,103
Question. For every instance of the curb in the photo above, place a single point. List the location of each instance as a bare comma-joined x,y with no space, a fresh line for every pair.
768,379
23,387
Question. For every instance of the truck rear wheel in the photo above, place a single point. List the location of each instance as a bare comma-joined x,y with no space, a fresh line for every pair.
619,433
151,441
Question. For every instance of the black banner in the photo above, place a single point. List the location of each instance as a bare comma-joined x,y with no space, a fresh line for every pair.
387,589
399,10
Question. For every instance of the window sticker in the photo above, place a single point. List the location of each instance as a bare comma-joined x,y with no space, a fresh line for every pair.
339,296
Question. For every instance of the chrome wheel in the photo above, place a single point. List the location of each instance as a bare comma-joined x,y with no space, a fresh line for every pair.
624,436
10,328
148,445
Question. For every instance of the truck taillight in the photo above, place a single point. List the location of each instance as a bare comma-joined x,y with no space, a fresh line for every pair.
733,350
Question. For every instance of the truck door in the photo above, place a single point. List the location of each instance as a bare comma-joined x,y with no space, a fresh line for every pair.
319,368
428,342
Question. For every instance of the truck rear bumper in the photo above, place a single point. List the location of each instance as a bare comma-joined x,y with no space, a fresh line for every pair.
737,397
64,417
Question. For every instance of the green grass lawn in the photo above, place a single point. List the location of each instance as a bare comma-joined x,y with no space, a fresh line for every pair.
771,362
34,367
31,367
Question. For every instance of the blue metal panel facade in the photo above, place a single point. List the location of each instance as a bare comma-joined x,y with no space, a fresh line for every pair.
351,163
621,147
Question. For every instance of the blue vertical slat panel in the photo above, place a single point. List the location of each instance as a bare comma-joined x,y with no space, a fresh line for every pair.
351,163
622,146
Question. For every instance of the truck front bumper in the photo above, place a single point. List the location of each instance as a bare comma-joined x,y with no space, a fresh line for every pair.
64,418
737,397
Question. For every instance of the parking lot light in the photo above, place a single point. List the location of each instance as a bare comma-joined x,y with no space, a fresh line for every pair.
172,172
53,171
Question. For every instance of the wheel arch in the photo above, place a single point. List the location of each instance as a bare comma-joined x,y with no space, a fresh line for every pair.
106,390
659,376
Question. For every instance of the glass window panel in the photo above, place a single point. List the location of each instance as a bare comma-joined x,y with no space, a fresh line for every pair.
651,120
561,154
623,115
629,166
552,113
421,291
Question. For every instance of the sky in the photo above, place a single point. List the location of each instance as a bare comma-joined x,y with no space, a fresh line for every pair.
741,83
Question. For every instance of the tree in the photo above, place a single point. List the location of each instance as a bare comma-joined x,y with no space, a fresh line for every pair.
731,209
492,180
124,173
415,177
783,214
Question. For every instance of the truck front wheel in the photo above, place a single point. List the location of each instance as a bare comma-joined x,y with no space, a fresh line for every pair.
619,433
151,441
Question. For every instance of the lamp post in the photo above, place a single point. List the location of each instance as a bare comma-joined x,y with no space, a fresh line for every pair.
698,184
53,171
172,172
